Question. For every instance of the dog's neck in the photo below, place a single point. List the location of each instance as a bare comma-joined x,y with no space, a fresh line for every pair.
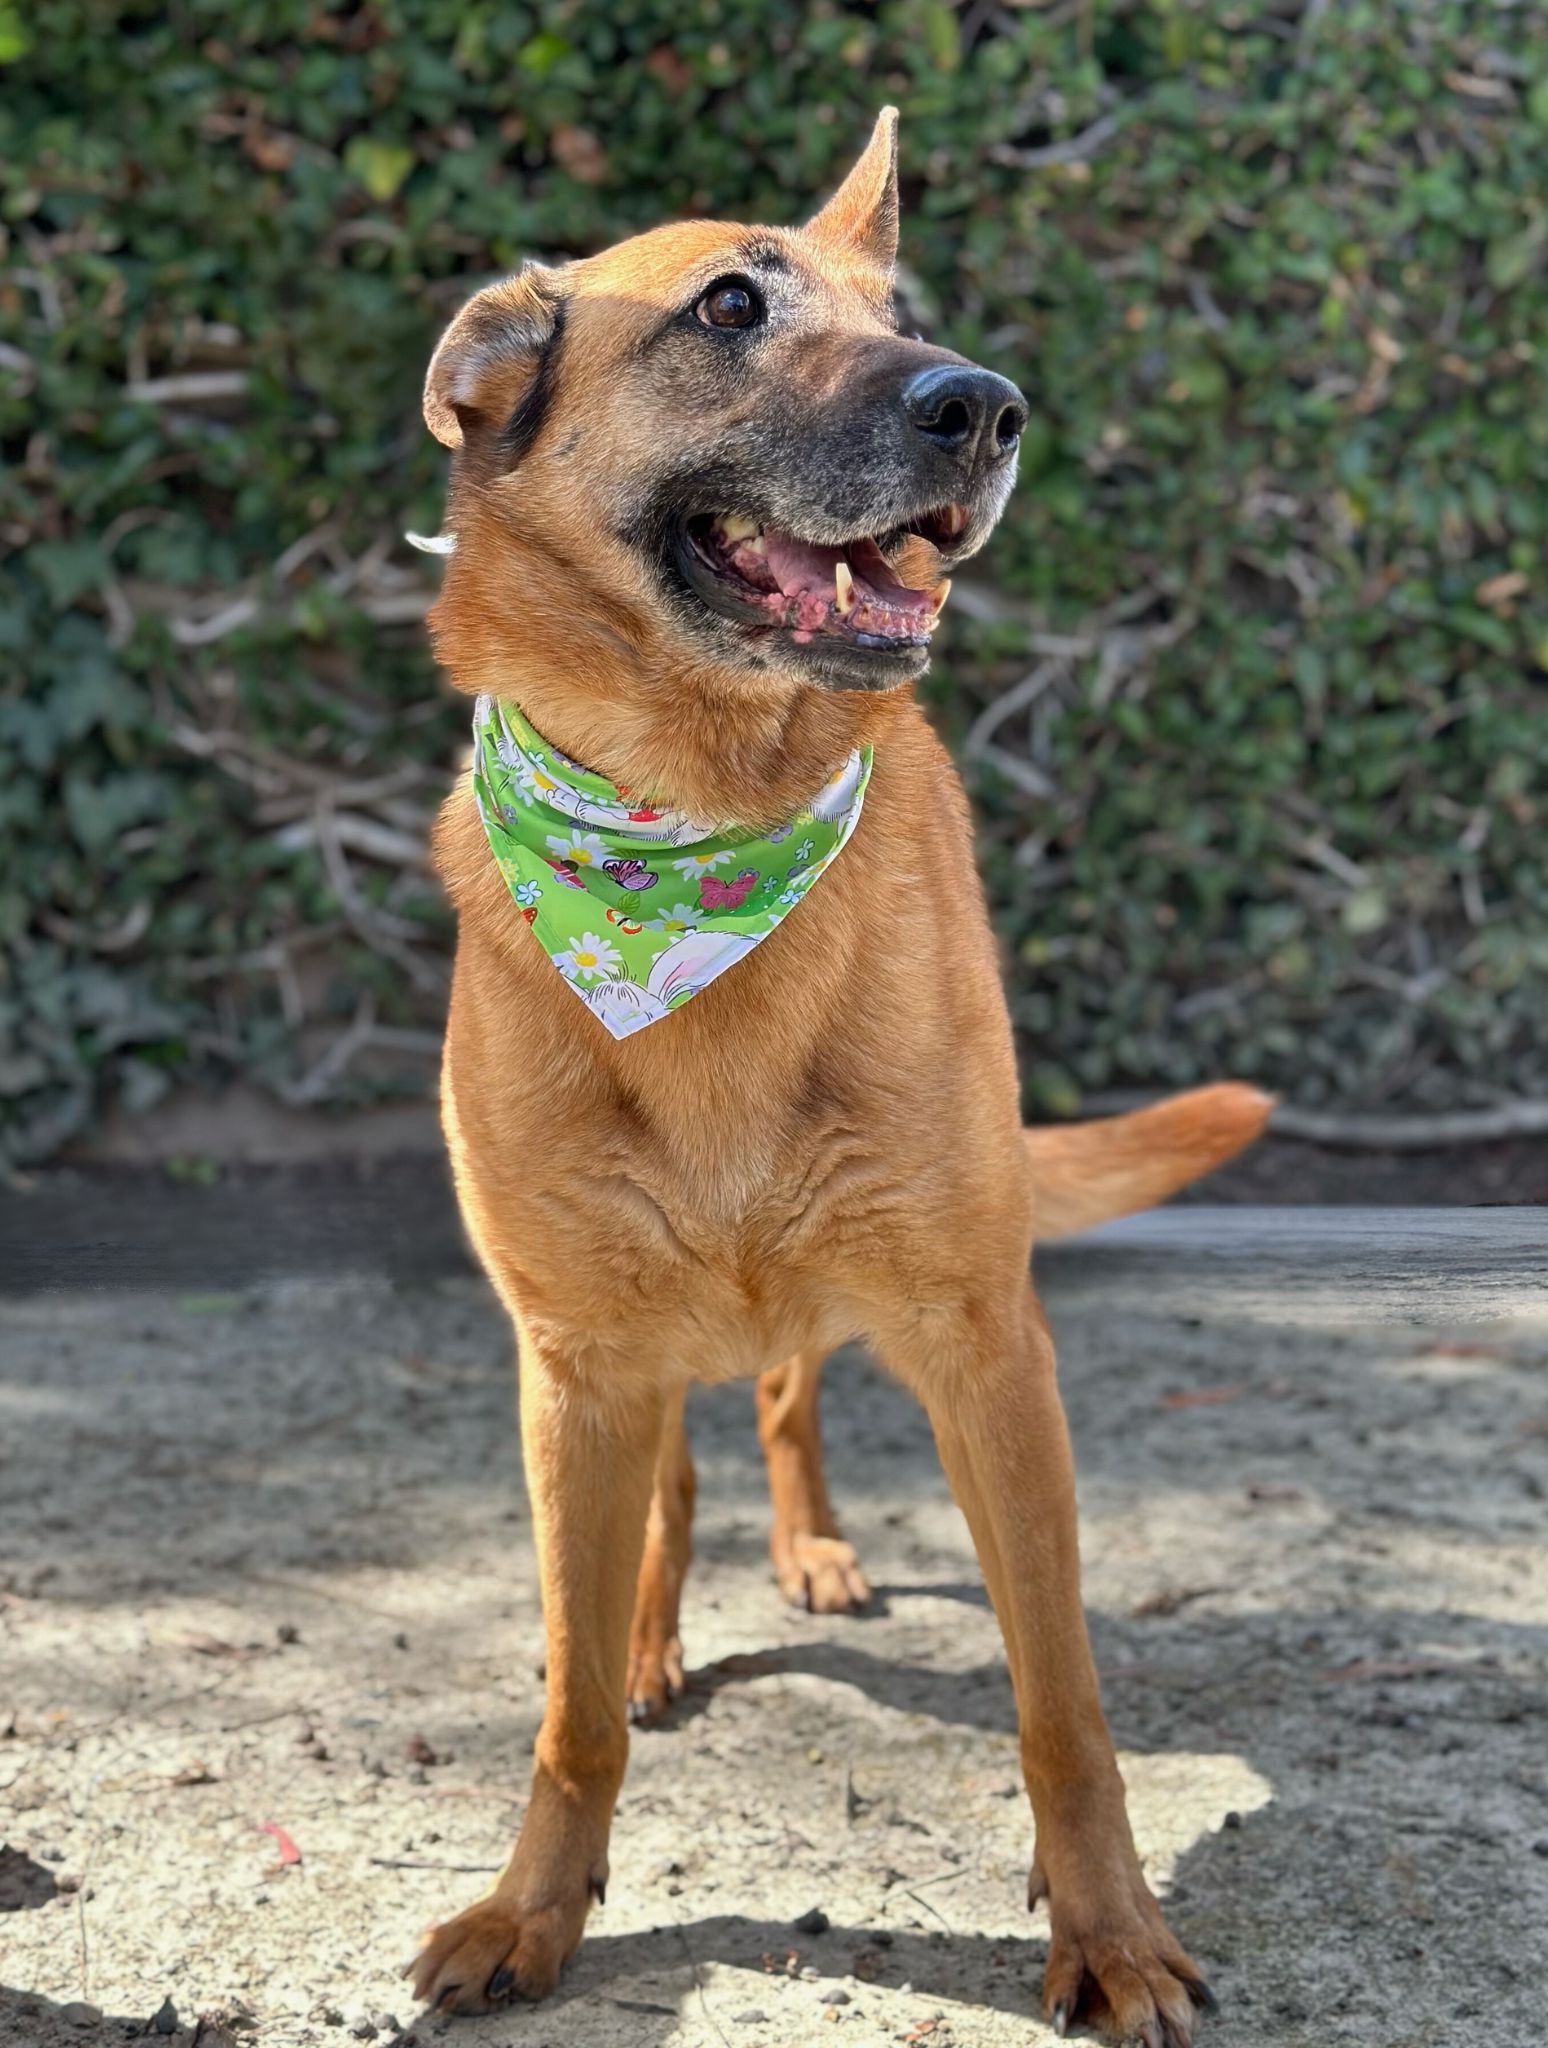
707,738
712,741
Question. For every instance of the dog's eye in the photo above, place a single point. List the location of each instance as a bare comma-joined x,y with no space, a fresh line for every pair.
731,302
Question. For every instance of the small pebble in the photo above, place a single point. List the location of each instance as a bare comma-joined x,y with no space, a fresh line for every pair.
387,2023
1232,1820
165,2020
1540,1846
80,2014
837,1996
814,1922
750,2019
363,2027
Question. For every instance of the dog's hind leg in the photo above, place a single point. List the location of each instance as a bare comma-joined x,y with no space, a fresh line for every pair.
655,1646
815,1567
590,1436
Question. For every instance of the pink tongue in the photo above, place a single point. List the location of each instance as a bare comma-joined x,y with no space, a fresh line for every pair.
803,570
797,566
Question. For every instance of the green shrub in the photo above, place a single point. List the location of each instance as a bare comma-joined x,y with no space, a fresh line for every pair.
1272,800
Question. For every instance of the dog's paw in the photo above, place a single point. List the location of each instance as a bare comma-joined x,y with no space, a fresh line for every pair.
1120,1971
821,1574
497,1950
655,1676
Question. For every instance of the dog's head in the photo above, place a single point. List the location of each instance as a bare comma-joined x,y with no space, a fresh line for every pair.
710,444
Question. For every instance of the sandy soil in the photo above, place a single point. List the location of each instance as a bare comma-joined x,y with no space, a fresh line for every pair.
267,1561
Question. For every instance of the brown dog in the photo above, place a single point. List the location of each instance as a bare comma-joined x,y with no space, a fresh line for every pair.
826,1140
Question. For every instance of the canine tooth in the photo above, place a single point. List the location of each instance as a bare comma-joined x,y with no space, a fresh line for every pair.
843,587
939,594
736,528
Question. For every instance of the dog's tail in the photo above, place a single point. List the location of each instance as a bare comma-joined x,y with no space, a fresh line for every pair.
1085,1174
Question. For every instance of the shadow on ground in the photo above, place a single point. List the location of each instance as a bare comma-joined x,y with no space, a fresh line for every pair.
268,1563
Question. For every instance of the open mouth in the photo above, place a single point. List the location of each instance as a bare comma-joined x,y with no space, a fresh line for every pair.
883,592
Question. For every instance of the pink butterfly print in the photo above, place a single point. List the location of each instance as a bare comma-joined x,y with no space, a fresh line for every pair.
714,895
631,874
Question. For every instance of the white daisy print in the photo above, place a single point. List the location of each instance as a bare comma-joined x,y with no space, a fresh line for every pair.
584,849
588,958
532,783
701,863
682,917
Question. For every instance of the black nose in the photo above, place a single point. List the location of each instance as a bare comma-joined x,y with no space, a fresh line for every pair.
971,412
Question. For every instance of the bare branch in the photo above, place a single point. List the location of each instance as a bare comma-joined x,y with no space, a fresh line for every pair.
189,388
1074,151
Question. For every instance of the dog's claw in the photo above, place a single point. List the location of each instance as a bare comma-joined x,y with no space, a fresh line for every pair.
448,1998
597,1886
1061,2018
500,1983
1202,1995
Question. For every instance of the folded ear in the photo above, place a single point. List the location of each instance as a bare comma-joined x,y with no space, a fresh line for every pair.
492,357
862,215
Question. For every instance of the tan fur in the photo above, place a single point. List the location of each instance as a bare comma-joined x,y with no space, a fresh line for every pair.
1085,1174
825,1142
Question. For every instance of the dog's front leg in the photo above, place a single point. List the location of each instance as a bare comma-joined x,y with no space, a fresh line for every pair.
589,1445
988,1384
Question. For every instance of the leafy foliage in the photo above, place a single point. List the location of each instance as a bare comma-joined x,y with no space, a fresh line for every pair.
1254,712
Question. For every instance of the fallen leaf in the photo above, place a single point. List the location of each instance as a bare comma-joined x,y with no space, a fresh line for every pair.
1169,1599
288,1852
215,1646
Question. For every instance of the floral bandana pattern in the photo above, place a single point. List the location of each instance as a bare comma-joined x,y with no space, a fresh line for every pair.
640,907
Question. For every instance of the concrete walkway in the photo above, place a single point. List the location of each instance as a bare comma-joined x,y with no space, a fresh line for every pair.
267,1561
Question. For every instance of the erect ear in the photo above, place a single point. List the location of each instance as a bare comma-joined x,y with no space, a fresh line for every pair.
862,215
493,354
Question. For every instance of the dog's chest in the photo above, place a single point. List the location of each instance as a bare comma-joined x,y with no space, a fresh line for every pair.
734,1214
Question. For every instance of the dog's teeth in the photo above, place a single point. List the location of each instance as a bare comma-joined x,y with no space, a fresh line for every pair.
735,528
843,587
939,594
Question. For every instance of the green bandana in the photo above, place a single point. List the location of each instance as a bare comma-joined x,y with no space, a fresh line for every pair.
640,908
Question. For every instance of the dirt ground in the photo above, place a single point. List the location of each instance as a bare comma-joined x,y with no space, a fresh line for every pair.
267,1566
